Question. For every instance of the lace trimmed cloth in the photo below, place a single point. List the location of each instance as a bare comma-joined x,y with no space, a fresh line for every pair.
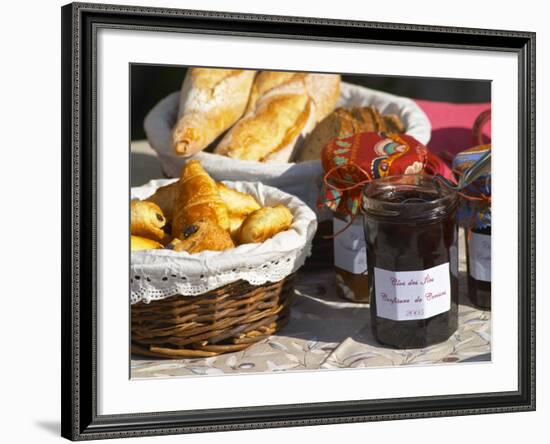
159,274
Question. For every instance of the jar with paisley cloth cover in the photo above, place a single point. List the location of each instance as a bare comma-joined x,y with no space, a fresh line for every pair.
349,163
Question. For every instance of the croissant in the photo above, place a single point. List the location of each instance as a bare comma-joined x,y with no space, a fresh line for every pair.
138,243
146,219
202,235
265,223
165,198
211,101
235,223
238,204
198,199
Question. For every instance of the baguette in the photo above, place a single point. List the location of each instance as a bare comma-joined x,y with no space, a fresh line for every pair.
211,101
238,204
324,91
283,106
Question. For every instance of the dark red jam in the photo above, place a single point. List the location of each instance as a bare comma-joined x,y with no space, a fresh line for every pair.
412,260
478,260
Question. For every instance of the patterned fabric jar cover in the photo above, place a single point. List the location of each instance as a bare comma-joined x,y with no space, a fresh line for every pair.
475,206
351,162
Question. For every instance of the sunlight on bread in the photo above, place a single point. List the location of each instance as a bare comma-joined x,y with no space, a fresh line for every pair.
196,213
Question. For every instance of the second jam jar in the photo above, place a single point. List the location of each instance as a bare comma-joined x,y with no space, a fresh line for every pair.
350,258
412,260
478,260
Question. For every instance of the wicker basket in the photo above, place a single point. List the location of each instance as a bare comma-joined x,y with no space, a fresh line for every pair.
224,320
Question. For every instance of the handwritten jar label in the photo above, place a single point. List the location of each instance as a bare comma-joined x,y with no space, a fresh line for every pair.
410,295
479,252
350,249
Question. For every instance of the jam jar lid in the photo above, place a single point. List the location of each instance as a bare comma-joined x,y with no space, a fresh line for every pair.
408,197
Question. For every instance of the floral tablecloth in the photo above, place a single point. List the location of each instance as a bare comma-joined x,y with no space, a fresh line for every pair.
326,332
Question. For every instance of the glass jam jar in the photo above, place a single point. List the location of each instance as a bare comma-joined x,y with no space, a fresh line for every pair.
350,258
412,260
478,261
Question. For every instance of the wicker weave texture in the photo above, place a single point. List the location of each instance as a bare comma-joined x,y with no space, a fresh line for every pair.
224,320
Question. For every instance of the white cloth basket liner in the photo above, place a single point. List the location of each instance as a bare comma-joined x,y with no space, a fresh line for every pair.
158,274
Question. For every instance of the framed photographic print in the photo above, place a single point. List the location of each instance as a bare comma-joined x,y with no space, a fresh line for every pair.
278,221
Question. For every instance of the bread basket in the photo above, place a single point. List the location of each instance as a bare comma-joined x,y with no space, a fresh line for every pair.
301,179
214,302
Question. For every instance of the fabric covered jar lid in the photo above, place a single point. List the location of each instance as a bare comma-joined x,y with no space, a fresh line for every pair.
351,162
475,207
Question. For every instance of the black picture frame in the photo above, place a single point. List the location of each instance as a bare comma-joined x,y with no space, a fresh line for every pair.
79,172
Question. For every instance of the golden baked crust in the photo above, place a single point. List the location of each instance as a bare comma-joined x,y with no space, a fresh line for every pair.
282,106
238,204
324,91
277,119
146,219
202,235
265,223
235,223
138,243
279,82
165,198
211,101
198,199
267,80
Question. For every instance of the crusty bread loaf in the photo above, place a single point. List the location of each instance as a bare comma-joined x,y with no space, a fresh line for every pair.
283,106
324,91
266,81
275,122
346,122
277,112
211,101
394,123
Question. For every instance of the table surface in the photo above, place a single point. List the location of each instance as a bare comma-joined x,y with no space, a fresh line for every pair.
325,332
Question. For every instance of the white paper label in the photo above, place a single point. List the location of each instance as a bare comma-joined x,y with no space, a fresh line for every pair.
410,295
350,249
479,251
